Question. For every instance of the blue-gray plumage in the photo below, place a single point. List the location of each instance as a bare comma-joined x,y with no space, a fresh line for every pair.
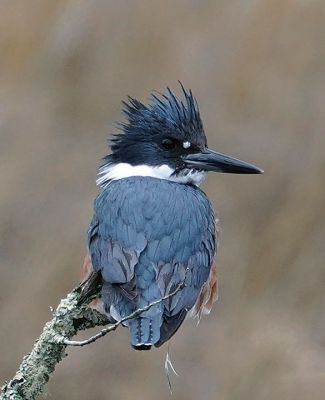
153,228
148,235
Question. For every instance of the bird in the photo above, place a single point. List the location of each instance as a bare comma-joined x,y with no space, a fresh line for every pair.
154,233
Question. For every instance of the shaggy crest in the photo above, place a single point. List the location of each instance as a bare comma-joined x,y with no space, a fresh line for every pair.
165,114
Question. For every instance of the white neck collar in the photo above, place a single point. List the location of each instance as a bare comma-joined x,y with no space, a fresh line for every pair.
111,172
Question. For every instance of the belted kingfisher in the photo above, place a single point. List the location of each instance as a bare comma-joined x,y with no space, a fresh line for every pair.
153,228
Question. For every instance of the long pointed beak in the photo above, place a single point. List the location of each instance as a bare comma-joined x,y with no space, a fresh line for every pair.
209,160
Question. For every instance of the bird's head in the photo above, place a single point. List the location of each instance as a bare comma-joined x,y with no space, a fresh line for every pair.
165,139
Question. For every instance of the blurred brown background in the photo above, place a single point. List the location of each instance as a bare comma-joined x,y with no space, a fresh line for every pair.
257,69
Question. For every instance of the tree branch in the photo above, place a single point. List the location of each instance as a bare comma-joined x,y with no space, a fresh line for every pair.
112,327
71,316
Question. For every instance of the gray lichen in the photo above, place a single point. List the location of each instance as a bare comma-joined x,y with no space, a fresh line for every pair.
71,316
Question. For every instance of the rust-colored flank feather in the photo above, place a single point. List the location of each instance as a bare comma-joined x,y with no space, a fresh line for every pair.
208,295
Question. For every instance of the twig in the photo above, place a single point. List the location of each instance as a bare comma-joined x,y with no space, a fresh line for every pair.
112,327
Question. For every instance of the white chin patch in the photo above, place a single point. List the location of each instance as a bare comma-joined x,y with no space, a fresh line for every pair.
112,172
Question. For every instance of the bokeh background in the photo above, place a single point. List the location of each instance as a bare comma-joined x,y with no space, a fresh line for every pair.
257,69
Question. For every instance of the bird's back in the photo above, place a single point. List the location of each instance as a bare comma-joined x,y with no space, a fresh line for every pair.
148,236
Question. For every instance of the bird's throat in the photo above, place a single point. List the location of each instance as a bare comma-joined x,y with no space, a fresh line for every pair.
111,172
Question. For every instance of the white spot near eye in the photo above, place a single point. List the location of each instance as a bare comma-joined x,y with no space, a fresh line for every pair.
186,145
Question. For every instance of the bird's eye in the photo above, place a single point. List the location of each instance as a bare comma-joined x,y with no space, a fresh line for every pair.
169,144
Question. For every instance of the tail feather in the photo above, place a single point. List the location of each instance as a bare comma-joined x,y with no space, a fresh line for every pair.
145,332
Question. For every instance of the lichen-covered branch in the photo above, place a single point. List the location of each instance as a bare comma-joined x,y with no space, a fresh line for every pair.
71,316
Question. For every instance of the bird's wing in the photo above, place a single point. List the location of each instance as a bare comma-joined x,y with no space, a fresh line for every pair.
197,270
115,258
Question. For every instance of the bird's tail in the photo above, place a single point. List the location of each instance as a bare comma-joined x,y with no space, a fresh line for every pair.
145,331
